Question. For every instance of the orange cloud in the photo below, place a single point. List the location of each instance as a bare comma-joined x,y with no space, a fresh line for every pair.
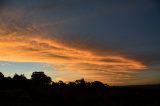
71,63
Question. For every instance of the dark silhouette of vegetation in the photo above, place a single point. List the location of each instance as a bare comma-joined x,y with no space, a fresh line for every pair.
41,78
1,76
40,90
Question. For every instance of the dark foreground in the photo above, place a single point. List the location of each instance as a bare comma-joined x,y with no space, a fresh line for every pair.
41,91
111,96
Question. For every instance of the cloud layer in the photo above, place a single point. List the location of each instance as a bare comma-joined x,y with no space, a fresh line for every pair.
104,40
87,64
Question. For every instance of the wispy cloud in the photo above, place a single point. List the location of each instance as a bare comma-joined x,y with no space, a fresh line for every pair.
81,42
66,59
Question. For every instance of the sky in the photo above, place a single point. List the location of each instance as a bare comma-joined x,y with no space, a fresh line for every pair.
116,42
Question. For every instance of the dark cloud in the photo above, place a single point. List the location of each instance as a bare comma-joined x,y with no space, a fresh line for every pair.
2,3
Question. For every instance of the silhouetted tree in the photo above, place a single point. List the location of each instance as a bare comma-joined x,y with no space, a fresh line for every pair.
81,83
21,77
61,83
72,84
97,85
40,78
1,80
19,80
1,76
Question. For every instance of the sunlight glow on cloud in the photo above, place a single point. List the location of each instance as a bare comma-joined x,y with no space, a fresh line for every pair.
76,62
114,42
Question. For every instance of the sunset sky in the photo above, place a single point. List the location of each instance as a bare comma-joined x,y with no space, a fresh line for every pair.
113,41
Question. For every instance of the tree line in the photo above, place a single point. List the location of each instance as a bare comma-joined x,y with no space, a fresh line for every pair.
40,90
41,80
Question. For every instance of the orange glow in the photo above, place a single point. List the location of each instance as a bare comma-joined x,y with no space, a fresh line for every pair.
73,61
